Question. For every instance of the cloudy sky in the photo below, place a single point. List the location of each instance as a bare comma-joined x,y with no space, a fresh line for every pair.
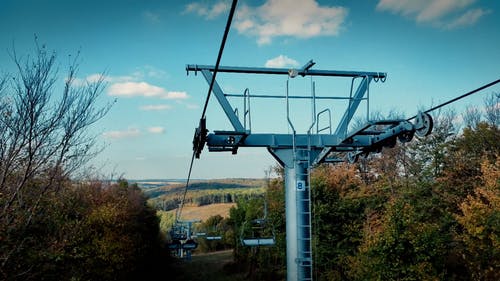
432,50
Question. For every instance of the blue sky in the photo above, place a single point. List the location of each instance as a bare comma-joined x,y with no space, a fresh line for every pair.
432,50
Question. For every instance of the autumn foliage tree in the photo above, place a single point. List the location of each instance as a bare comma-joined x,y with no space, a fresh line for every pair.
423,210
53,226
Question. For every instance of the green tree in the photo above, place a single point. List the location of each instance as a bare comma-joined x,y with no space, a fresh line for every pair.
261,263
402,248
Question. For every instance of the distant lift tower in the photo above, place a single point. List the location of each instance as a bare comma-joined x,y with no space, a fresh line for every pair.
297,153
182,238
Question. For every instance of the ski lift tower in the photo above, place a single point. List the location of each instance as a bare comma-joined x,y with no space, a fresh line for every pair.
297,153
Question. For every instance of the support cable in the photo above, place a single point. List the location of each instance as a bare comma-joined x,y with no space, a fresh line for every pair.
458,98
219,56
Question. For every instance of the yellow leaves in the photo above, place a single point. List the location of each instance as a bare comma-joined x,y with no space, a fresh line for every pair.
477,209
480,222
484,203
104,214
491,173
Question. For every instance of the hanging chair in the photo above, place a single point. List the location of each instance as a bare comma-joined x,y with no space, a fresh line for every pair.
190,244
178,232
257,232
174,245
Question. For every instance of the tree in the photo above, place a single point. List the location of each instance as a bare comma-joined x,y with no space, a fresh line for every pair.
480,220
492,109
261,263
44,139
402,248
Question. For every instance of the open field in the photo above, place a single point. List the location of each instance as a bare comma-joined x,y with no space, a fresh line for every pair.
204,212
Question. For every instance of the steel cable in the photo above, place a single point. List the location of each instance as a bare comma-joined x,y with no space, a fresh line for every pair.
219,56
458,98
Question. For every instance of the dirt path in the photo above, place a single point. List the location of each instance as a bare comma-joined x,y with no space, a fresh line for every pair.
207,267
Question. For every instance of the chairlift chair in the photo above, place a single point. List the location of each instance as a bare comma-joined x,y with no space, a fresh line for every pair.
213,235
178,233
213,238
256,233
174,245
259,232
190,244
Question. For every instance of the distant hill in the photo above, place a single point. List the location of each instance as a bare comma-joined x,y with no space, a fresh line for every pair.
202,192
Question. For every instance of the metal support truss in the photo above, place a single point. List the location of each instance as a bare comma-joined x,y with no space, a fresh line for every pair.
297,153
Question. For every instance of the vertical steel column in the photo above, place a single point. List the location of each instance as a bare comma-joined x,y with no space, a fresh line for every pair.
298,218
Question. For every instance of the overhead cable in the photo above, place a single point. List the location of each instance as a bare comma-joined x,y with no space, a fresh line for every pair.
458,98
219,56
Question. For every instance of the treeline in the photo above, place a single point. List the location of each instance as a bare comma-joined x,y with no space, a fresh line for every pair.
207,197
425,210
219,185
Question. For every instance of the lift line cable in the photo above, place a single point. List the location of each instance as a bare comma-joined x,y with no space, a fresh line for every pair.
458,98
219,56
223,43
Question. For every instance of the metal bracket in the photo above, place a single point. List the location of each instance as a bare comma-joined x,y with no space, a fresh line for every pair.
226,141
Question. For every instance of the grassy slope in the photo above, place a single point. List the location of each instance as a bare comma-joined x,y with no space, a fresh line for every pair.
204,212
210,266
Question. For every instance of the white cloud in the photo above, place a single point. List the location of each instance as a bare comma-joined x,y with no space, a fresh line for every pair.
146,71
206,10
175,96
295,18
156,107
132,89
281,61
156,130
447,14
143,89
92,78
130,132
468,18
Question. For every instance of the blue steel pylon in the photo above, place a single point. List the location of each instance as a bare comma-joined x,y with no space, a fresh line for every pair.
297,153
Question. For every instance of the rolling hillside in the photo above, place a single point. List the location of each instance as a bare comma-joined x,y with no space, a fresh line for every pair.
205,192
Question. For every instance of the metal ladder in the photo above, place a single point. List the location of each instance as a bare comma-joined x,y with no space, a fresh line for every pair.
302,163
304,236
